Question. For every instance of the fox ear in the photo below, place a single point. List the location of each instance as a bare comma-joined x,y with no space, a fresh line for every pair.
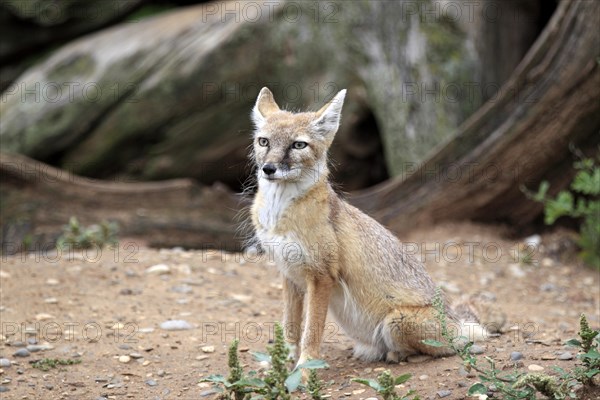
328,117
265,106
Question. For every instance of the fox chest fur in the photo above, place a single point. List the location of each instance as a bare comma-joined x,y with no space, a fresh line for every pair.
293,227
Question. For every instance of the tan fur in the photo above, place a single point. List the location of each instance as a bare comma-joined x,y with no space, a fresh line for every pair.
331,255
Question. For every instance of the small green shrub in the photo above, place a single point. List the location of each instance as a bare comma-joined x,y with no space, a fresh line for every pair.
278,382
98,235
581,201
518,385
46,364
385,385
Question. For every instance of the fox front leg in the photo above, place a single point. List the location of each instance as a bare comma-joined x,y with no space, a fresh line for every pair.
293,301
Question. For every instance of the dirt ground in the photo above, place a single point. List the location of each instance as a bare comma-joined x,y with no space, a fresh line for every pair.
106,308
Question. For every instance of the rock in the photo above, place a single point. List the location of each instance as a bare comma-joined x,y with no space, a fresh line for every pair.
535,368
51,300
52,282
516,355
208,349
444,393
124,359
565,356
4,275
34,348
176,325
476,349
21,353
548,287
151,382
548,357
161,373
533,240
3,389
135,355
516,271
158,269
43,317
5,363
418,358
423,377
184,289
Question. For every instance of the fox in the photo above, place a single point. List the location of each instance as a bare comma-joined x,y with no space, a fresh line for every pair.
332,256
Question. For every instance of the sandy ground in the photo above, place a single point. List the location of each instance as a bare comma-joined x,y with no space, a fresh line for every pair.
106,308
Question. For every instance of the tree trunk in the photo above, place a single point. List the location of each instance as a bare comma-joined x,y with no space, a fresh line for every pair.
519,138
37,199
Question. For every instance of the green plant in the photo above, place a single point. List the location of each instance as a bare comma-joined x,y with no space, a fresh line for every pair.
581,201
77,237
385,385
278,382
46,364
517,385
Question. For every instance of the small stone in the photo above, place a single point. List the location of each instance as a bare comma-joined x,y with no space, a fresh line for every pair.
161,373
4,275
547,262
565,356
358,391
475,349
158,269
52,282
444,393
423,377
183,289
124,359
135,355
208,349
176,325
43,317
548,287
51,300
516,356
548,357
516,271
146,363
151,382
535,368
202,357
21,353
34,348
4,363
418,358
3,389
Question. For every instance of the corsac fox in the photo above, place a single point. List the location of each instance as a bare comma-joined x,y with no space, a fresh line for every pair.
331,255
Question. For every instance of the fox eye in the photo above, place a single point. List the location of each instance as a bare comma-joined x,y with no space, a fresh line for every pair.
299,145
263,142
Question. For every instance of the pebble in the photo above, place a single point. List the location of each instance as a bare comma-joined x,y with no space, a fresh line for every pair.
358,391
444,393
4,363
51,300
52,282
548,287
124,359
34,348
176,325
183,289
43,316
535,368
423,377
161,373
565,356
208,349
475,349
548,357
418,358
151,382
136,355
158,269
3,389
4,274
516,271
21,353
516,356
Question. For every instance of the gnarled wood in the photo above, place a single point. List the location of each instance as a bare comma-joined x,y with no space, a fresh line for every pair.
519,138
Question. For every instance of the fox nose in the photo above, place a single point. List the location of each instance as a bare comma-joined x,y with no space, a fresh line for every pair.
269,169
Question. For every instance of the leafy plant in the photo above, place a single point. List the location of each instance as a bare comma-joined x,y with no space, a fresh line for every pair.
46,364
385,385
77,237
518,385
581,201
278,382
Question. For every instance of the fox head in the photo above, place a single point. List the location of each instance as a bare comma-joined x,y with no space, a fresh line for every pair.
292,147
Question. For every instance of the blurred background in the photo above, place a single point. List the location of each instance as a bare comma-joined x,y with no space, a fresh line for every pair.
137,111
